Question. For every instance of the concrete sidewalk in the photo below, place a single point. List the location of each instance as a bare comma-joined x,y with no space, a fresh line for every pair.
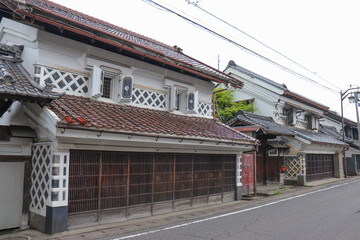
276,189
266,194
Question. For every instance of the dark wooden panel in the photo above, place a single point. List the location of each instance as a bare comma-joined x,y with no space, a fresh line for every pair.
201,175
259,168
319,166
216,174
101,181
183,176
274,164
114,180
83,181
164,177
140,185
229,180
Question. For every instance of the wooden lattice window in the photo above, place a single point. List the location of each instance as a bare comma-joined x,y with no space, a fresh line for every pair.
140,184
183,176
201,175
163,177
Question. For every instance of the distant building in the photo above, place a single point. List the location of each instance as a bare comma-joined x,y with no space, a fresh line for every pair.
310,154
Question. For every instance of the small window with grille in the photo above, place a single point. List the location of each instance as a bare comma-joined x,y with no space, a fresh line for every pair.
106,87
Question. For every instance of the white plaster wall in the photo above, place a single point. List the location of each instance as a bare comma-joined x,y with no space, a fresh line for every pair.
331,123
12,32
68,54
48,49
14,116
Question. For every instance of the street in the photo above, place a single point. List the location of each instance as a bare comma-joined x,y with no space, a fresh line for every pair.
329,213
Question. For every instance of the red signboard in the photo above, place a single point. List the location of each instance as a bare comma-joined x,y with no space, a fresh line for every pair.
247,173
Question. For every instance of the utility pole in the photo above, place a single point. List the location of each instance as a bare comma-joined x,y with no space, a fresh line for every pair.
357,94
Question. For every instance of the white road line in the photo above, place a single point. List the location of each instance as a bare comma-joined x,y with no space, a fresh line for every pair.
231,213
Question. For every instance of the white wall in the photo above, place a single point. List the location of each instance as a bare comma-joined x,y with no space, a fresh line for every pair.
43,48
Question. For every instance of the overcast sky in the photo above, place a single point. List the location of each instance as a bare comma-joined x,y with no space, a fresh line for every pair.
321,35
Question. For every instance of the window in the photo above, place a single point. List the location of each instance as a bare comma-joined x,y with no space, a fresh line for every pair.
180,101
106,87
355,134
273,152
348,132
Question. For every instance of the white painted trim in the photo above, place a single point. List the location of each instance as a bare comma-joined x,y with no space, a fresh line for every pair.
80,139
16,146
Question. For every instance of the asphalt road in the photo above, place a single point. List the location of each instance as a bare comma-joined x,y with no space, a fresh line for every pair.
329,213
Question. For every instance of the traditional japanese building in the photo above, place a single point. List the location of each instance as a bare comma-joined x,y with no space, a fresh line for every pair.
117,125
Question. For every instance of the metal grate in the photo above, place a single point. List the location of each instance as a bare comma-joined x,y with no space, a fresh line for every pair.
106,88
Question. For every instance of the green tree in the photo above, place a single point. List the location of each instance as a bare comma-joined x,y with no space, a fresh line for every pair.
226,108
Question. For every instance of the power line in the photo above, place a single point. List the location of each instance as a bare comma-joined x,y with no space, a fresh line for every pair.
242,47
253,38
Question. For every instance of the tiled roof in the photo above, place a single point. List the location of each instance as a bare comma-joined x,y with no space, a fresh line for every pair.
255,75
52,13
317,137
85,113
305,100
283,87
267,124
15,81
331,131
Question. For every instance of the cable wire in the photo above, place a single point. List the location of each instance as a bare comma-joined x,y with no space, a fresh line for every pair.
258,41
242,47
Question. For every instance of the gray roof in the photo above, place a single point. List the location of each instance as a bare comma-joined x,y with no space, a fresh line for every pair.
255,75
317,137
331,131
283,87
15,81
267,124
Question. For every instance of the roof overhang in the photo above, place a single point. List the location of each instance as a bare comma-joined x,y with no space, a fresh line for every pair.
120,141
70,28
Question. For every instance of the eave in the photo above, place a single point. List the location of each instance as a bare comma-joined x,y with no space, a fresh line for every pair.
62,26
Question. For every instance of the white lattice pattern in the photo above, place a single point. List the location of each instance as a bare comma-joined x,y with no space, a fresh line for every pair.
293,167
205,109
62,80
59,179
148,98
40,176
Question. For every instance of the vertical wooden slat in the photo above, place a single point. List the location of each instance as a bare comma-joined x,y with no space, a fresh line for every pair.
152,185
223,176
128,186
192,180
174,182
99,187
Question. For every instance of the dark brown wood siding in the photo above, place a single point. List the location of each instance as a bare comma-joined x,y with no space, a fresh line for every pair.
118,180
319,166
